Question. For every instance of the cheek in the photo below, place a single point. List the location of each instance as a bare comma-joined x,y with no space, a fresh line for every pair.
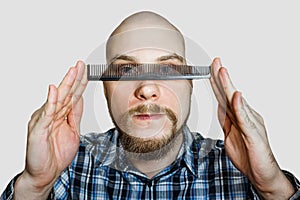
178,98
119,94
175,95
185,102
184,95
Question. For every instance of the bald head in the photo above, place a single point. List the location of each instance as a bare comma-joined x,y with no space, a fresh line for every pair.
144,19
144,30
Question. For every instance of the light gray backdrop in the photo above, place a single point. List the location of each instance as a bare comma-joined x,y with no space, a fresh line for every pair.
258,42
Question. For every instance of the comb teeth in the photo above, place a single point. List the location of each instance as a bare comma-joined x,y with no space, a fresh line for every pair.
115,72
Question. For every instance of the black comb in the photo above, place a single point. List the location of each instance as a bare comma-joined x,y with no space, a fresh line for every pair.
125,72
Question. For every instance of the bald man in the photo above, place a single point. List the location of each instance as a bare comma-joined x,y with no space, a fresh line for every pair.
150,154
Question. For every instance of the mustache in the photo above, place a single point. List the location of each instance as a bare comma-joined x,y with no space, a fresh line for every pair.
153,109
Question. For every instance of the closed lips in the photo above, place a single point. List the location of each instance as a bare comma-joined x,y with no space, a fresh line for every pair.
148,116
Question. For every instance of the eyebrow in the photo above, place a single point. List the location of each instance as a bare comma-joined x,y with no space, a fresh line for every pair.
124,57
162,58
170,57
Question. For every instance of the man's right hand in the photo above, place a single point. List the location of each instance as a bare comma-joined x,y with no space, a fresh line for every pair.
53,136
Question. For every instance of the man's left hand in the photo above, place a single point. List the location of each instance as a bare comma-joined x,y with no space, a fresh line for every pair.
246,141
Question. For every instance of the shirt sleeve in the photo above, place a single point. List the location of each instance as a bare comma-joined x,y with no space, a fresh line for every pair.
296,184
61,187
293,180
59,190
8,193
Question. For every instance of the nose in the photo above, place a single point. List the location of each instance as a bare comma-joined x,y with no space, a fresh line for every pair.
147,91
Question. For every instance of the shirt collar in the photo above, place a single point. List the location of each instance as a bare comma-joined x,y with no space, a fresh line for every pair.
190,151
108,151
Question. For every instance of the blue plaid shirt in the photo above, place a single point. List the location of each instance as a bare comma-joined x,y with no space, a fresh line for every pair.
201,171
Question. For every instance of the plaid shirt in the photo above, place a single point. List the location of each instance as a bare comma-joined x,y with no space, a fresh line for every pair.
201,171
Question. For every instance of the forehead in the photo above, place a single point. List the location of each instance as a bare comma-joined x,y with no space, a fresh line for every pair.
146,39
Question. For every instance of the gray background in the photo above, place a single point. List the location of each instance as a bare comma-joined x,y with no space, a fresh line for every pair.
257,41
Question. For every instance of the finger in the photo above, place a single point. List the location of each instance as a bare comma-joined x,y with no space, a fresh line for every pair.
227,84
221,115
76,91
224,120
65,87
215,81
245,119
34,117
48,112
219,91
75,115
79,76
218,88
257,122
216,65
82,83
220,96
255,114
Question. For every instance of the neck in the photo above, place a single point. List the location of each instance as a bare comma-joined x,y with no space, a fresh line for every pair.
152,167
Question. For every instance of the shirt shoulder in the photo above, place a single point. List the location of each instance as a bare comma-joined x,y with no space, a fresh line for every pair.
208,157
90,140
206,146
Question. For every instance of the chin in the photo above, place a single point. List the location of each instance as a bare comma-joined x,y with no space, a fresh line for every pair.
148,148
151,131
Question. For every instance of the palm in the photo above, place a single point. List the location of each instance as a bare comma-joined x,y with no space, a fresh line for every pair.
244,152
51,152
65,144
53,131
246,140
236,149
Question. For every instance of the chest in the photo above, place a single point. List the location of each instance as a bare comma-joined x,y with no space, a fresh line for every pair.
108,183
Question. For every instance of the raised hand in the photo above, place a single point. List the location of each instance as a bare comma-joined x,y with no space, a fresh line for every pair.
246,141
53,135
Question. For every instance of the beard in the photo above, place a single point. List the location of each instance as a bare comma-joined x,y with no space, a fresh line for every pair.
152,148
